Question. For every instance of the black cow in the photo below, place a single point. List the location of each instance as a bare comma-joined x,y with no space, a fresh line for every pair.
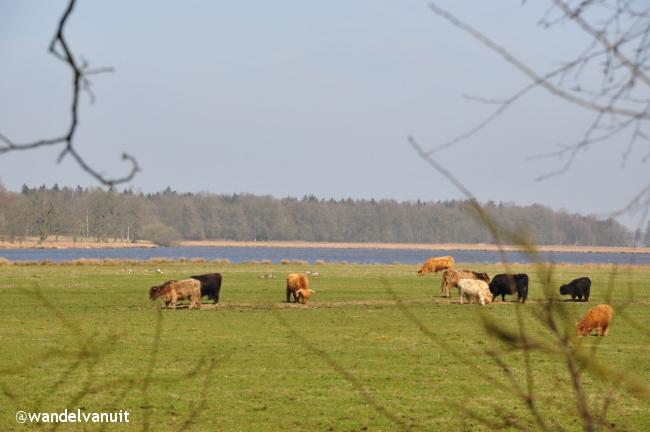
210,285
507,284
578,288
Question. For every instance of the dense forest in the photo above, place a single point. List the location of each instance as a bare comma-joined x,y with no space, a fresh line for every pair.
168,216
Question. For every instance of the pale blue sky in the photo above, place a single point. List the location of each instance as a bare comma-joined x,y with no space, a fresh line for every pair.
302,97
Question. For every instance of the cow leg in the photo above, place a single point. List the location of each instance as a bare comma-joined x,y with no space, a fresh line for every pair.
288,295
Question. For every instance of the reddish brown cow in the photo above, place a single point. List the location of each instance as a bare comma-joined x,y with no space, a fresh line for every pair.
598,318
435,264
298,286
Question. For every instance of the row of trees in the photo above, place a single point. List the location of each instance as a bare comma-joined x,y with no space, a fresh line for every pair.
168,216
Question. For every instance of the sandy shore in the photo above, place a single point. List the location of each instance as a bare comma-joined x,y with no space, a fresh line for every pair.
441,247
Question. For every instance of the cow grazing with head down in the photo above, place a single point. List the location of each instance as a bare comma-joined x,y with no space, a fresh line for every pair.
435,264
210,285
472,289
577,288
450,279
173,290
507,284
298,286
598,318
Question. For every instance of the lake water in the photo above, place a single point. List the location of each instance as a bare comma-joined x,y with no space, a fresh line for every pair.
365,256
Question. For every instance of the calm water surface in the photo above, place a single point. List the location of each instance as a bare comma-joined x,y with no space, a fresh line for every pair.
364,256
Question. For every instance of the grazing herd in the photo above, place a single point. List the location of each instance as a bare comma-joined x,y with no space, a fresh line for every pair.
473,287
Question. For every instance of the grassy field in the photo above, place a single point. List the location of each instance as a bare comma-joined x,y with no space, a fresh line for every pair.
377,349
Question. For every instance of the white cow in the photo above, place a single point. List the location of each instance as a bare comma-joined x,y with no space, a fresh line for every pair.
474,289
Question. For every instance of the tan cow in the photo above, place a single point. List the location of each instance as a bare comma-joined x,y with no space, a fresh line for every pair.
173,290
298,286
450,279
598,318
435,264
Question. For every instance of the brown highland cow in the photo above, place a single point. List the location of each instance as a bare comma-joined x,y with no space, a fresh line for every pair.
598,318
450,279
298,286
435,264
173,290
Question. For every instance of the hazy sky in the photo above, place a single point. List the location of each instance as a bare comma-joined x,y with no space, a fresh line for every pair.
302,97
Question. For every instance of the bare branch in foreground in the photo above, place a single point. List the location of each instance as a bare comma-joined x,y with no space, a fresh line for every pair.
618,50
60,49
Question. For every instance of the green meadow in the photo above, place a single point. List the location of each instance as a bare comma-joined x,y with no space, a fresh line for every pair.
376,349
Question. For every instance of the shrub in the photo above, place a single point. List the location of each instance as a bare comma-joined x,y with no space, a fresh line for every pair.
285,261
160,260
26,263
161,235
86,261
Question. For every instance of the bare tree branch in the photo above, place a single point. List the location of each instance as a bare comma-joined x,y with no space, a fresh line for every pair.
599,35
528,71
60,49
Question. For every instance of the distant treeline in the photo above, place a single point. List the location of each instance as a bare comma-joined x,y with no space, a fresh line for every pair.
167,216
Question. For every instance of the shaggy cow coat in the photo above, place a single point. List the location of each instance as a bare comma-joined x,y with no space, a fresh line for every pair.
472,289
173,290
507,284
450,279
210,285
298,286
577,288
598,318
304,294
435,264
